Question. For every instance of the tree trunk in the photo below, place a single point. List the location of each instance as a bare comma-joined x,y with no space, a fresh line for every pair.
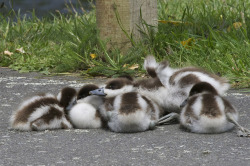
116,16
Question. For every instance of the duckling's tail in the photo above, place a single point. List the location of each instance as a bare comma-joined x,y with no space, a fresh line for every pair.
150,65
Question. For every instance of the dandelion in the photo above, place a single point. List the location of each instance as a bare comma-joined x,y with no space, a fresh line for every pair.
237,25
187,43
93,56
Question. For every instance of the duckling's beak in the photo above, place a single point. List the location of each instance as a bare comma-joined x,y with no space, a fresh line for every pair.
99,92
71,104
184,103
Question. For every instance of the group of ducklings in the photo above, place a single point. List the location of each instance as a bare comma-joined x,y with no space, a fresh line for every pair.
190,95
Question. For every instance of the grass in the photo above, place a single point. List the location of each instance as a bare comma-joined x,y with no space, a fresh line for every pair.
210,34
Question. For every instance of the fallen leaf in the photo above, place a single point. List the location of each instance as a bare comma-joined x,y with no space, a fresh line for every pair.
20,50
125,65
7,53
173,22
134,66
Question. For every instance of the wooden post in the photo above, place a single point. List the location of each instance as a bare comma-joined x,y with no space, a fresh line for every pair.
129,15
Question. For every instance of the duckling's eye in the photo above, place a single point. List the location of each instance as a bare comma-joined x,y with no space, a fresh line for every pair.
114,85
110,86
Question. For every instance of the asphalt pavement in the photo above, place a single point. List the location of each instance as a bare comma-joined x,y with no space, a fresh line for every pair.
166,145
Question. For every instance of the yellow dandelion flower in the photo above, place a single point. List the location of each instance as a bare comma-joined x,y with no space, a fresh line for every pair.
187,43
237,25
93,56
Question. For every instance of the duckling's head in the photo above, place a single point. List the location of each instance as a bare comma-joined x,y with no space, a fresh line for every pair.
67,98
115,87
84,96
84,91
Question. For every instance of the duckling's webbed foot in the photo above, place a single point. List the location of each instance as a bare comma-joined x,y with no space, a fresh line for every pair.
169,118
35,125
243,132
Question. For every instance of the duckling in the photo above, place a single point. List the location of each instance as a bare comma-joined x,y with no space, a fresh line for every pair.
85,113
177,83
118,86
205,111
125,110
44,111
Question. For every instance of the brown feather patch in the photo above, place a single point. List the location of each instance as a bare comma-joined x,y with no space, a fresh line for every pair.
129,103
210,106
118,83
194,69
188,80
151,83
202,87
51,114
23,115
67,95
151,72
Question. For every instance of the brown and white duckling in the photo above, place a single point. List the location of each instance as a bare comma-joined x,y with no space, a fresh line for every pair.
205,111
44,111
119,86
85,113
177,83
126,110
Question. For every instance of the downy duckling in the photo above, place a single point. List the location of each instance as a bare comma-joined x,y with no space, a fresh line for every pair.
205,111
177,83
85,113
125,110
44,111
118,86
